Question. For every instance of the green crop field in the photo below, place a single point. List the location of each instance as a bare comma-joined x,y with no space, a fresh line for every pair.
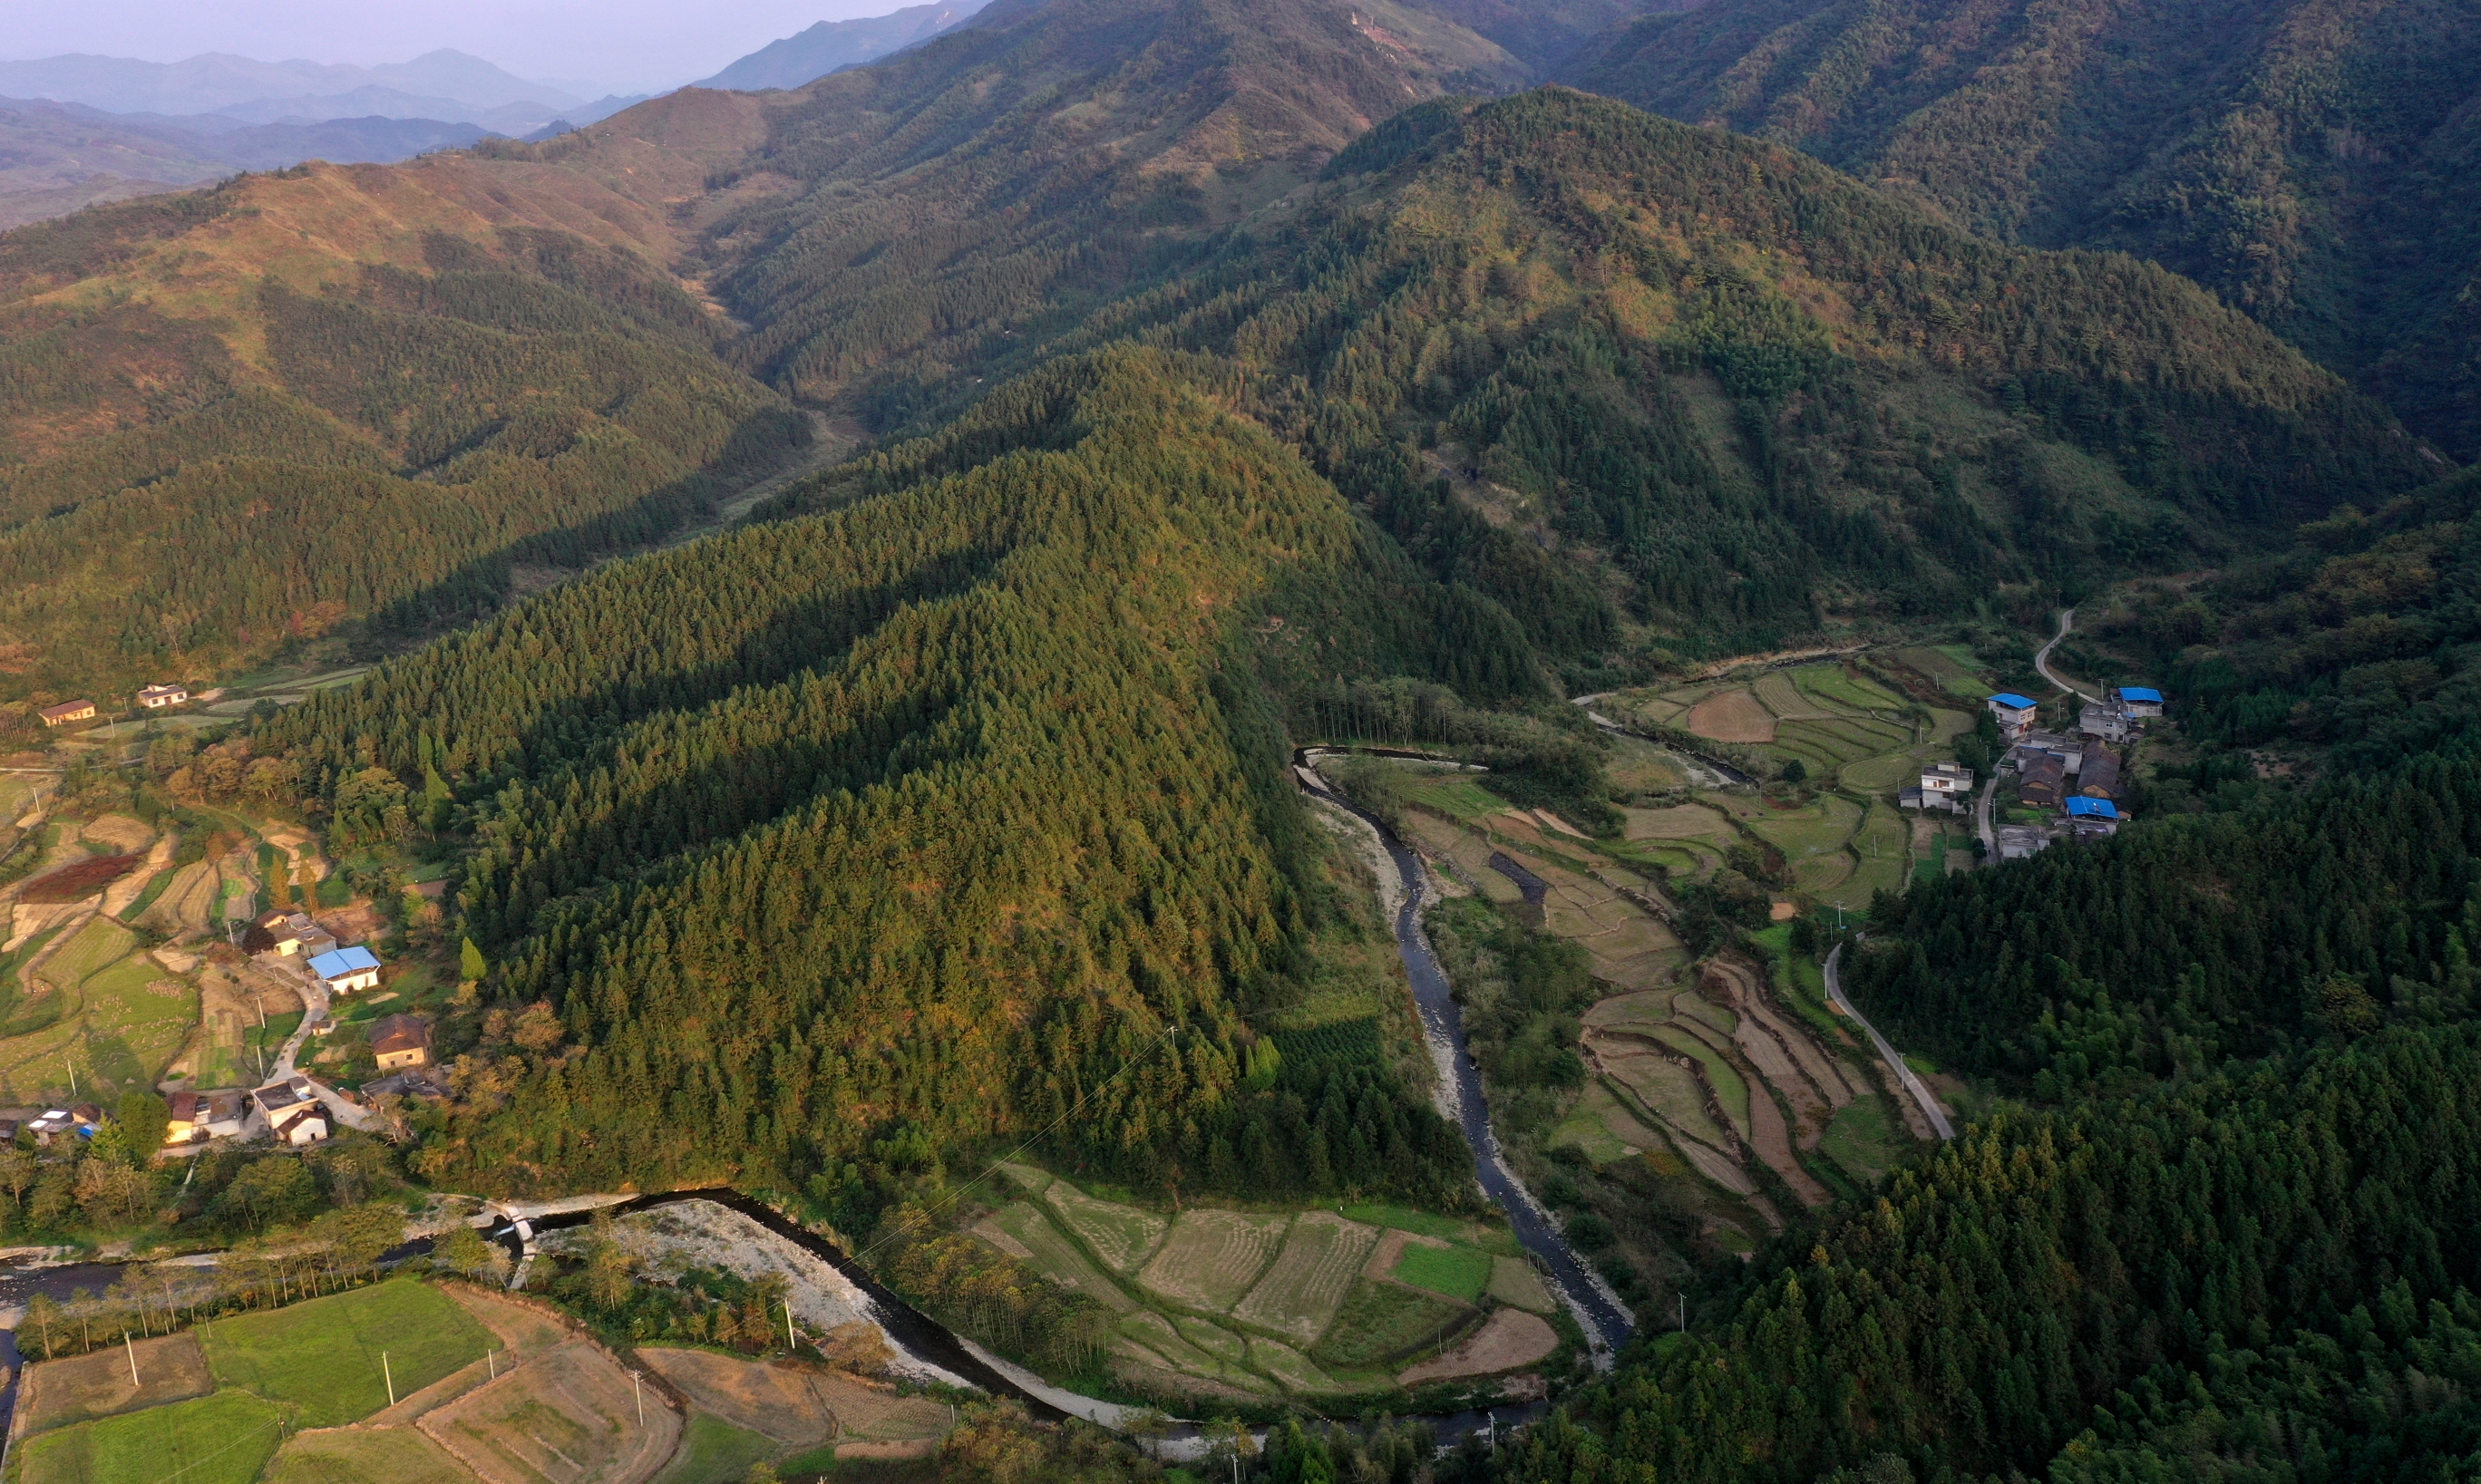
1829,682
714,1452
1884,854
1382,1321
1456,794
1864,1139
1816,830
223,1439
1120,1237
1296,1371
395,1455
324,1355
1886,771
1729,1089
1459,1272
101,942
1693,1004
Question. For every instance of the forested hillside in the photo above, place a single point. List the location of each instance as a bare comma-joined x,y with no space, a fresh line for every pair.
2312,162
347,399
941,814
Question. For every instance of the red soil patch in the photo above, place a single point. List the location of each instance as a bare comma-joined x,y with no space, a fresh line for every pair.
1732,717
80,880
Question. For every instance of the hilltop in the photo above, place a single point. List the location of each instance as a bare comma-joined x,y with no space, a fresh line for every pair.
2314,172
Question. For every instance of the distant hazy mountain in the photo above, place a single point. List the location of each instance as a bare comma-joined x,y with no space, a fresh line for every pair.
440,83
375,102
56,157
830,44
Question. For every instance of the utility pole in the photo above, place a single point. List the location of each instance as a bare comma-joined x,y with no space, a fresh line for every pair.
790,1343
1684,1314
492,1358
391,1377
639,1396
133,1358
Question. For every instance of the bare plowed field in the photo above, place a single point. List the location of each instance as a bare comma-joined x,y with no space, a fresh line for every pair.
569,1417
1508,1340
80,1387
775,1399
1732,716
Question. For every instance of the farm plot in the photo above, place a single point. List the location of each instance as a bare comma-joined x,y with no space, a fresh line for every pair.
1943,669
1513,1282
1878,774
1883,851
714,1452
223,1439
1386,1321
1212,1257
1776,692
1152,1339
568,1416
1022,1231
381,1455
1835,686
185,901
1601,1127
1638,766
1732,716
324,1356
1508,1340
1292,1370
1722,1079
81,1388
99,1006
1460,1273
1864,1141
1120,1236
1301,1294
776,1399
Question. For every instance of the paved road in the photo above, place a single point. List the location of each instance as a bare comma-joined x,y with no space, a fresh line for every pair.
2042,659
1912,1084
1981,810
1597,1309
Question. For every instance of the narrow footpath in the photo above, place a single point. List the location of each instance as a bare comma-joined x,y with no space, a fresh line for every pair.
1912,1084
1597,1309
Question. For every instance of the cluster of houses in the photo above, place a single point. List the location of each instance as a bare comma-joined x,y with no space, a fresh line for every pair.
2076,773
152,698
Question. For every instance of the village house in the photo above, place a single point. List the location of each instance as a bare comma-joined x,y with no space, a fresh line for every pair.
2107,722
2069,750
2138,701
2043,780
2101,777
67,712
401,1041
2092,817
1948,782
157,697
2020,841
187,1124
294,933
2015,713
200,1116
346,970
291,1110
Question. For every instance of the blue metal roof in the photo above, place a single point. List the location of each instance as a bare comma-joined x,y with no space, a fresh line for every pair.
2093,808
2014,702
343,961
2140,693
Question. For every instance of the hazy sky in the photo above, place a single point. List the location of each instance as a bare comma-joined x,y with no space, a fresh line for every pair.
629,45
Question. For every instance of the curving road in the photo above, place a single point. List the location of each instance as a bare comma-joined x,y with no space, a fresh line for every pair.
1912,1084
2042,659
1597,1309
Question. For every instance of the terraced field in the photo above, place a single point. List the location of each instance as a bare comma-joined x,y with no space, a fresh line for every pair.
1267,1305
